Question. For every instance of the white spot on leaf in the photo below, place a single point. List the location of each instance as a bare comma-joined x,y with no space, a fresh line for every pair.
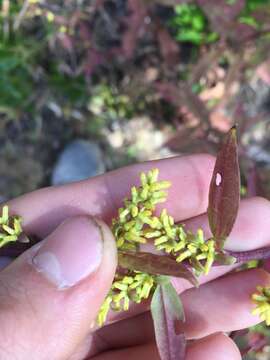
218,179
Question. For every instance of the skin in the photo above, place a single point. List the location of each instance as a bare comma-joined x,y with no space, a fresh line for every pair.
40,321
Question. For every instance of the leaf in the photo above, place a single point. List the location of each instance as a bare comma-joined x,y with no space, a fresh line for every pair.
224,193
155,264
23,238
168,316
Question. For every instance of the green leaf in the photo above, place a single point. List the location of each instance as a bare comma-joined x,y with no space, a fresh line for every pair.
168,317
155,265
224,193
198,23
190,35
249,20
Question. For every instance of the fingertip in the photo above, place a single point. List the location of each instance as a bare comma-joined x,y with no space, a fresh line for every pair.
262,202
110,251
251,229
64,279
207,160
190,177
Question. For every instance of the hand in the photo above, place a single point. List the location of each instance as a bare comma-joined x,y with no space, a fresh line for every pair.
50,295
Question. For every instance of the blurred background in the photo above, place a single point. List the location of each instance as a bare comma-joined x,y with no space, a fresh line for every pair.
89,86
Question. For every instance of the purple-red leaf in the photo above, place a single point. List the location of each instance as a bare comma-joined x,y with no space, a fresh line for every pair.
156,265
224,193
168,316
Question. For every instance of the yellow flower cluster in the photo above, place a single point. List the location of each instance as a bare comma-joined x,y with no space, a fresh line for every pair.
134,287
173,239
135,225
262,301
129,228
10,227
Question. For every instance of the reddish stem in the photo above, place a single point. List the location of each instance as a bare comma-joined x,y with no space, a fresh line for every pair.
244,256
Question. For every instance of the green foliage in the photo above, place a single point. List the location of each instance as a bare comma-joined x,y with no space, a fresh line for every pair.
24,66
191,25
107,100
19,56
106,104
67,89
247,15
16,82
252,5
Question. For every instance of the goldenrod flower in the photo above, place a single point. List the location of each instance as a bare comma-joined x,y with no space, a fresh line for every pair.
10,227
137,224
262,301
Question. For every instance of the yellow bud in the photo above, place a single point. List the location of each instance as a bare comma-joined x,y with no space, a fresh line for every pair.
134,194
120,241
144,193
8,229
5,215
120,286
200,235
134,211
50,16
153,175
179,246
183,256
143,179
17,226
63,29
161,240
126,303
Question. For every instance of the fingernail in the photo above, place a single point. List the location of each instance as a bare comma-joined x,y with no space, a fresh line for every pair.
71,253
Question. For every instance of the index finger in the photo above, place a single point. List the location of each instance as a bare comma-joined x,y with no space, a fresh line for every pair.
44,209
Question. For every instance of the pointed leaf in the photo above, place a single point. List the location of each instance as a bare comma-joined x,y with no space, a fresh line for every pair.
23,238
168,316
224,193
156,265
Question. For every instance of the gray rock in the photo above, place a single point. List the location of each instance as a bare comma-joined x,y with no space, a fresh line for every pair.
3,199
79,160
257,142
255,97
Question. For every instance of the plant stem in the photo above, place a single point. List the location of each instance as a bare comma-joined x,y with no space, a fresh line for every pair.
244,256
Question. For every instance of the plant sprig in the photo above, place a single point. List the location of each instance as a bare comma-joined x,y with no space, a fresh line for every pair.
144,275
138,224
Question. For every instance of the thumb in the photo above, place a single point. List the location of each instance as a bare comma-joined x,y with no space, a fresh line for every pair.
50,295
